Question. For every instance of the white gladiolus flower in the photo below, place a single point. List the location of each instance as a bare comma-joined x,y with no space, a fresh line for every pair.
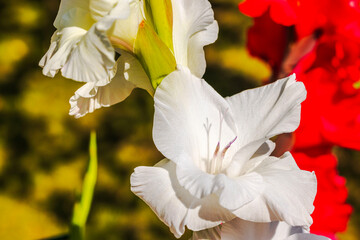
238,229
80,47
82,50
218,164
89,32
128,71
192,26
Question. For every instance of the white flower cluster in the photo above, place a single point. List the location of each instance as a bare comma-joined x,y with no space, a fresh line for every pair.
218,177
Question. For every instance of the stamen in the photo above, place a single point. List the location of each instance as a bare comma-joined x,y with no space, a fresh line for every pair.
219,159
214,165
217,149
228,146
214,159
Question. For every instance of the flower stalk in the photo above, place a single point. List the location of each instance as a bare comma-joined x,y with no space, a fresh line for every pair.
83,205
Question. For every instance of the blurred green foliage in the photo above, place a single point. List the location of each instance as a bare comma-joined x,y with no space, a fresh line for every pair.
44,151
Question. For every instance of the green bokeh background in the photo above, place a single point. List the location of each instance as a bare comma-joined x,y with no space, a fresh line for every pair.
44,151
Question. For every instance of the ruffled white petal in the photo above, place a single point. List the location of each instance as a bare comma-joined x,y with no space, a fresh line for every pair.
196,56
239,229
240,165
101,8
48,55
247,156
288,195
245,230
82,49
232,192
88,98
263,152
130,74
306,236
188,117
63,42
133,72
193,28
176,207
91,60
65,6
208,234
264,112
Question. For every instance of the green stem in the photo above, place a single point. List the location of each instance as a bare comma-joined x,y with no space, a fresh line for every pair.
83,205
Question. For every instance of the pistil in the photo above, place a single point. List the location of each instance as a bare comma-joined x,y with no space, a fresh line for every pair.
207,127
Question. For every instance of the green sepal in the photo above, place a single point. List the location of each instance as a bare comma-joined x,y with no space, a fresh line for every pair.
153,54
159,16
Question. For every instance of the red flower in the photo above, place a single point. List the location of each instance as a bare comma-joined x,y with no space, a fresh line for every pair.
331,112
331,213
308,15
281,11
326,57
327,15
267,40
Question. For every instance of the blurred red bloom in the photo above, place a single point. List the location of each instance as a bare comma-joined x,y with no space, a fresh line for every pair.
331,213
267,40
323,49
307,15
281,11
331,113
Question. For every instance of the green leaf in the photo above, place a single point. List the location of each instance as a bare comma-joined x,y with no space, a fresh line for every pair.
153,54
160,17
82,206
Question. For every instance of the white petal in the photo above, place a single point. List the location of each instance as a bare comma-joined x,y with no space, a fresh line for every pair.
92,60
133,72
85,56
241,164
129,75
176,207
63,42
101,8
185,107
196,56
264,112
208,234
87,98
246,230
65,6
193,28
97,9
49,54
232,192
288,195
263,152
306,236
124,31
